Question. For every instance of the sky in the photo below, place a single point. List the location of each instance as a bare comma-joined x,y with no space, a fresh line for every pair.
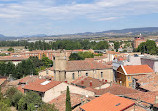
53,17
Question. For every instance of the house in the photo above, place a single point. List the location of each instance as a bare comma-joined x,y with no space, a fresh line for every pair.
148,100
76,101
14,60
49,89
65,70
151,61
114,88
47,72
108,102
86,81
138,41
147,83
124,75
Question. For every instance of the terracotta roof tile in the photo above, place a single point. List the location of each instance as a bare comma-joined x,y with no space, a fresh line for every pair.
75,100
85,65
37,86
108,102
88,81
114,89
148,97
138,69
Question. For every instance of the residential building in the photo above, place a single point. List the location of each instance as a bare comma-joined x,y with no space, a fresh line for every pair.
151,61
138,41
108,102
49,89
14,60
76,101
124,75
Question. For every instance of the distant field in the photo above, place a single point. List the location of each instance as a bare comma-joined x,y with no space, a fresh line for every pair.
16,47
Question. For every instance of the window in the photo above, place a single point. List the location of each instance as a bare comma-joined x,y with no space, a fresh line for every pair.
86,74
101,74
73,76
46,71
130,84
65,75
129,78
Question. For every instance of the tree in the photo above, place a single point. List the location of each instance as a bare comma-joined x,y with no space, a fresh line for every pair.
148,47
10,49
47,107
116,45
75,56
29,101
46,61
4,107
68,101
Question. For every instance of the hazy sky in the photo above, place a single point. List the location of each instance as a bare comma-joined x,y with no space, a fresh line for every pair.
28,17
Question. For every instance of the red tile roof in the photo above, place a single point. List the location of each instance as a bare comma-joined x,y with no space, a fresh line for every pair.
28,79
85,82
108,102
11,58
138,69
148,97
114,89
36,85
85,65
75,100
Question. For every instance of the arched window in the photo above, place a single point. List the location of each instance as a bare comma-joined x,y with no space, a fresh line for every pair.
86,74
101,74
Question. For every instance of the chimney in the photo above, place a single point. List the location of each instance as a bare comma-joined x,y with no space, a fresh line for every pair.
156,99
90,83
82,82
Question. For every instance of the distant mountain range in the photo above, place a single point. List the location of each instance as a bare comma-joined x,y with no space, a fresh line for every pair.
110,33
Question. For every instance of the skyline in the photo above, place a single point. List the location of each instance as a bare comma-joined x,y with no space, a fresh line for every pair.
53,17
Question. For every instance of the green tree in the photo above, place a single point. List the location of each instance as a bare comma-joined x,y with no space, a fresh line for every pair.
68,100
10,49
116,45
4,107
75,56
46,61
29,101
47,107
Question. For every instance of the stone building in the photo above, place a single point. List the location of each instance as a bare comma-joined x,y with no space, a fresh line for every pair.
64,70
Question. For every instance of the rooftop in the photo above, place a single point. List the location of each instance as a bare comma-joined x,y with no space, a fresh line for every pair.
75,100
88,82
108,102
37,86
137,69
85,65
114,89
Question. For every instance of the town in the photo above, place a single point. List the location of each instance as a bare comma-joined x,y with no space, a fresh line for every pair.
92,75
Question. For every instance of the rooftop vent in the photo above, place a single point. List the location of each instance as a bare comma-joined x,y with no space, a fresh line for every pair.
45,82
118,104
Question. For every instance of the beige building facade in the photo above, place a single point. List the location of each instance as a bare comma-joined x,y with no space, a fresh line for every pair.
64,70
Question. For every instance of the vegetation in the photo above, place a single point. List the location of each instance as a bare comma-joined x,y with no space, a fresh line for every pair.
26,67
148,47
59,44
31,101
82,55
116,46
10,49
68,101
